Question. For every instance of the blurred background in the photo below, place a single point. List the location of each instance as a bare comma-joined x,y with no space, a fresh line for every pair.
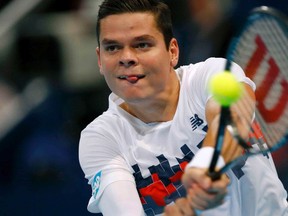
50,89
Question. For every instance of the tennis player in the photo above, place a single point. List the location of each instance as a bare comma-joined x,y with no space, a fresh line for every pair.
159,119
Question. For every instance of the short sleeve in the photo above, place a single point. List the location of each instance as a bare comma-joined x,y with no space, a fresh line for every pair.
101,161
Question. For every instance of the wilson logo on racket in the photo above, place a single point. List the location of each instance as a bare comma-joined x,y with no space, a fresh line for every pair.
270,112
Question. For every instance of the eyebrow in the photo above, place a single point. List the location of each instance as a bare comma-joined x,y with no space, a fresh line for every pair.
144,37
107,41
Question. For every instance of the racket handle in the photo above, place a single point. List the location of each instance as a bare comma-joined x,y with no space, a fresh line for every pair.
214,175
224,119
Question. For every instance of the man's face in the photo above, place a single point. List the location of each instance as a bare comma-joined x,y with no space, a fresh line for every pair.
133,57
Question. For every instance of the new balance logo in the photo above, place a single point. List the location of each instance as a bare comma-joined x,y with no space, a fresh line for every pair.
196,121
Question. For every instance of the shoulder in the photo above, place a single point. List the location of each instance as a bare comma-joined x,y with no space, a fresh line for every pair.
100,140
109,121
202,71
197,75
108,124
210,64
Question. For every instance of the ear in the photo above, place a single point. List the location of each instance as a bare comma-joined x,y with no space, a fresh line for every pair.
174,52
99,59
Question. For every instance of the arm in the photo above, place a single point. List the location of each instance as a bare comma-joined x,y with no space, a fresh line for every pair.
113,185
242,114
121,198
202,192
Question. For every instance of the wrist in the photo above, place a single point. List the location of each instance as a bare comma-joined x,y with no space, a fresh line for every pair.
203,157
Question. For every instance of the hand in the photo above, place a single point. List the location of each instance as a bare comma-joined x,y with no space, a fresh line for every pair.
202,192
180,208
242,114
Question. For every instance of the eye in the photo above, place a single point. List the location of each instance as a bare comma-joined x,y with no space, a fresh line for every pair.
111,48
143,45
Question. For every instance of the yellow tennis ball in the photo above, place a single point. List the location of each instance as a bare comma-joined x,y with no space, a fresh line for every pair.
225,88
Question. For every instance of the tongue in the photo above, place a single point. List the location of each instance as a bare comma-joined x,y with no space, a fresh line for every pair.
132,79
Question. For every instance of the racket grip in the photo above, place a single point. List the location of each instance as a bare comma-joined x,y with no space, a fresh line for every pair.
214,175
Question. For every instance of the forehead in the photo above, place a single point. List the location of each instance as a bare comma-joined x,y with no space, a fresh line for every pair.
128,24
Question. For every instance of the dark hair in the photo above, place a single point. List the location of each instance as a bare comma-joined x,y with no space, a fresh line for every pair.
160,11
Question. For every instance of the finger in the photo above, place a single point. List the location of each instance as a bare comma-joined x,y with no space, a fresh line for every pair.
220,184
184,206
203,199
198,198
196,176
207,202
172,210
196,203
219,189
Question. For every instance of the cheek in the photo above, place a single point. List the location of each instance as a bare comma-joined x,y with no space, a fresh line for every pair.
105,70
106,66
110,81
160,61
159,69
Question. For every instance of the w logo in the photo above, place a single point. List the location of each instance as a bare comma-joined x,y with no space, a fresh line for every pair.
267,80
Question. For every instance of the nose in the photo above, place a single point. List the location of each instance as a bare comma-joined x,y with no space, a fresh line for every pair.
128,57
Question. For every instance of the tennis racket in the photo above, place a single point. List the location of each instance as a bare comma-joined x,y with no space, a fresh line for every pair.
261,49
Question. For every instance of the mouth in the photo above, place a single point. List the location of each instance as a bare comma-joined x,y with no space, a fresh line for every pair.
131,78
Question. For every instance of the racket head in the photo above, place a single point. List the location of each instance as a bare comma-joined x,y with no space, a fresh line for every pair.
261,49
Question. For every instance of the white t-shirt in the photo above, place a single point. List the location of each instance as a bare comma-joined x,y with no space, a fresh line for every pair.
119,147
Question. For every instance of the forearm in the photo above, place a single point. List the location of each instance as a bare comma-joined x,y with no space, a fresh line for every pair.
242,113
121,198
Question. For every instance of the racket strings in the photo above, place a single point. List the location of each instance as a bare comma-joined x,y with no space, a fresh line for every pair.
275,50
244,109
257,126
277,47
276,44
